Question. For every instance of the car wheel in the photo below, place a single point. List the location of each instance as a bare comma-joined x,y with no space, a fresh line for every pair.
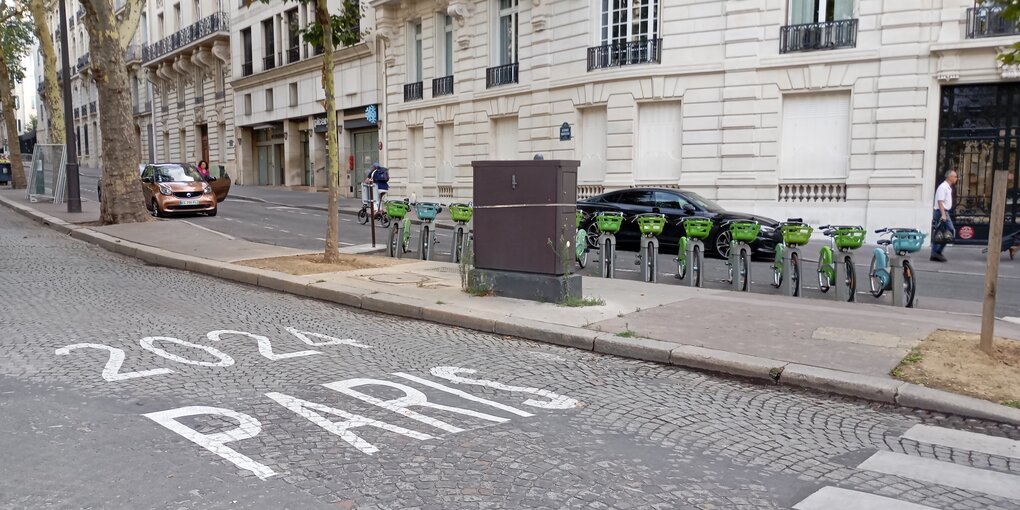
212,212
154,209
722,243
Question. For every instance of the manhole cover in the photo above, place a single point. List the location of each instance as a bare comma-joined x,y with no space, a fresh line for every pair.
398,279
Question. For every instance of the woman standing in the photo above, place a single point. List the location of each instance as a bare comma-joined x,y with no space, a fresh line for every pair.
203,168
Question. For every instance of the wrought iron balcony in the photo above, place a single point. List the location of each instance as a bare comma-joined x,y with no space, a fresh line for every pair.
83,62
988,21
133,53
648,51
143,108
502,75
413,91
92,108
442,86
828,35
218,23
268,62
294,54
247,69
77,112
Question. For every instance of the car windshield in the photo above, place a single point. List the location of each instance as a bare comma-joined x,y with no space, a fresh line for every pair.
177,173
702,202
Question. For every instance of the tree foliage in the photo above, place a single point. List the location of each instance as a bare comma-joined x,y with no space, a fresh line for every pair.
15,40
1010,11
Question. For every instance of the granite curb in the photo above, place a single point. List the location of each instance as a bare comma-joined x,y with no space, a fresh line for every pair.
866,387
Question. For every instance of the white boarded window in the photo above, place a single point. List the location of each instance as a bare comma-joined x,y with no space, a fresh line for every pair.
592,145
505,138
815,136
658,143
415,153
444,153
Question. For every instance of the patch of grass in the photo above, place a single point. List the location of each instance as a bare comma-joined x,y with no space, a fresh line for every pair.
913,356
1012,403
480,290
440,302
574,302
626,334
897,373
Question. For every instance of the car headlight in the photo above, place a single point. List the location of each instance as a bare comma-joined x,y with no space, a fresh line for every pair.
207,189
165,190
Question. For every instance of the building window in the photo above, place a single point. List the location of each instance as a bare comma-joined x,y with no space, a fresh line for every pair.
246,53
247,104
220,82
444,153
160,26
166,146
415,153
593,144
506,46
504,139
182,146
269,50
658,142
269,99
293,94
819,25
293,37
815,135
177,17
414,67
819,11
198,9
86,139
629,33
447,45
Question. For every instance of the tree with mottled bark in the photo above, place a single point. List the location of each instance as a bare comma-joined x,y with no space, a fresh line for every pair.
329,31
15,40
1010,11
110,32
52,99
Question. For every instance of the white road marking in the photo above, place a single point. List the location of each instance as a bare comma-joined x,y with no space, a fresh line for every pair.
1014,320
283,208
267,227
964,440
320,238
207,229
556,401
944,473
833,498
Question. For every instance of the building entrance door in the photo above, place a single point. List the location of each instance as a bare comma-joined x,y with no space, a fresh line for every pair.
306,160
203,133
979,133
366,152
263,158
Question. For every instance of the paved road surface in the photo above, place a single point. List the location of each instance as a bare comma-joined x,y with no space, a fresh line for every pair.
124,385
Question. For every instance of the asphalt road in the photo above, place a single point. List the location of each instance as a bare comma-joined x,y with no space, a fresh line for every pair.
125,385
951,287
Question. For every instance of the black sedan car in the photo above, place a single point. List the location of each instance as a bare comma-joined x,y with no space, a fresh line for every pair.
675,204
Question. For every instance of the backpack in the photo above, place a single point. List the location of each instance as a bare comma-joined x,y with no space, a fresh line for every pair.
383,174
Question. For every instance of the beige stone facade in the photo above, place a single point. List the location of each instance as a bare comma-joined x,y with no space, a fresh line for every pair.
835,121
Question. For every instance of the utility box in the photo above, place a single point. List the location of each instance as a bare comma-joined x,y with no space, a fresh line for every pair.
524,228
5,173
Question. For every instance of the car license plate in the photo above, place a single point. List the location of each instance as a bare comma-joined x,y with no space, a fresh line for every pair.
189,202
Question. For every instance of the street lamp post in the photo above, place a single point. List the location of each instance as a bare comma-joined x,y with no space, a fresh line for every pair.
73,185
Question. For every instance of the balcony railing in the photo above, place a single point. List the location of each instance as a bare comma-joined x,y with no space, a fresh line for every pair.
92,108
209,25
294,54
143,108
133,53
501,75
988,22
413,91
83,62
829,35
442,86
77,113
247,69
268,62
648,51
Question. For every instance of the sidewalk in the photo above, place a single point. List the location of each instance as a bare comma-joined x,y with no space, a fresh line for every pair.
845,348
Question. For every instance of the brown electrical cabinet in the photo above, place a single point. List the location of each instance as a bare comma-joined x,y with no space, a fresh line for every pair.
524,215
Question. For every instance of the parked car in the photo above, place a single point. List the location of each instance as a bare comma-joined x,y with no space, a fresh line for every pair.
177,188
220,184
675,204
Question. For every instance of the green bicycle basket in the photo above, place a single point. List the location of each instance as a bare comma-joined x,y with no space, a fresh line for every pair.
609,221
744,231
460,212
397,209
909,241
426,211
697,228
849,238
651,224
796,235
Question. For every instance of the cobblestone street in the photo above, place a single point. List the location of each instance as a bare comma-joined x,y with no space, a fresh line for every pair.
124,385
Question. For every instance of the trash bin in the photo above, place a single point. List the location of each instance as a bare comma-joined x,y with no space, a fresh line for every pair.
5,173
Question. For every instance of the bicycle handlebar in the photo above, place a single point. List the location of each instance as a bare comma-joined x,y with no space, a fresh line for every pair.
644,215
890,230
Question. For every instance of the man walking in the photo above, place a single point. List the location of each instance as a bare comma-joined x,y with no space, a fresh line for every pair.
940,213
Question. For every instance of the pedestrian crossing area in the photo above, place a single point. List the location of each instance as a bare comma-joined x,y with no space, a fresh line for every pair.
947,474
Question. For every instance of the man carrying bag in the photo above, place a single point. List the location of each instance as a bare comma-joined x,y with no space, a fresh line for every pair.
942,230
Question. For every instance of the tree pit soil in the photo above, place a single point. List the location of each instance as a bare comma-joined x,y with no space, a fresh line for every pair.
313,263
951,361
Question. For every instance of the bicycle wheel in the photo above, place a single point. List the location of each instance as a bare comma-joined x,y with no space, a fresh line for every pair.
681,259
777,267
593,235
458,246
696,266
744,270
795,273
875,280
823,276
909,285
384,220
608,255
581,248
363,216
405,242
392,245
425,242
650,262
851,280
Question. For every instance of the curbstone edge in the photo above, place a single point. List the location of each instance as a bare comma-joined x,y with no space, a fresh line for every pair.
546,332
726,362
912,395
444,315
844,383
635,347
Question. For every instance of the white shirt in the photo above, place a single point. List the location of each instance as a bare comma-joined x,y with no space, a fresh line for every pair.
945,194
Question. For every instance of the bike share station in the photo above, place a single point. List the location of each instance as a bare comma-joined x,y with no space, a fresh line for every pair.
525,227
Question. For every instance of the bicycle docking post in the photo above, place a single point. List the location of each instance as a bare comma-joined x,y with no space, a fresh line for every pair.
607,262
653,277
691,244
896,277
788,252
841,291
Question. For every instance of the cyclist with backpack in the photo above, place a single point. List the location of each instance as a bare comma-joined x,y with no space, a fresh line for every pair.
379,176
